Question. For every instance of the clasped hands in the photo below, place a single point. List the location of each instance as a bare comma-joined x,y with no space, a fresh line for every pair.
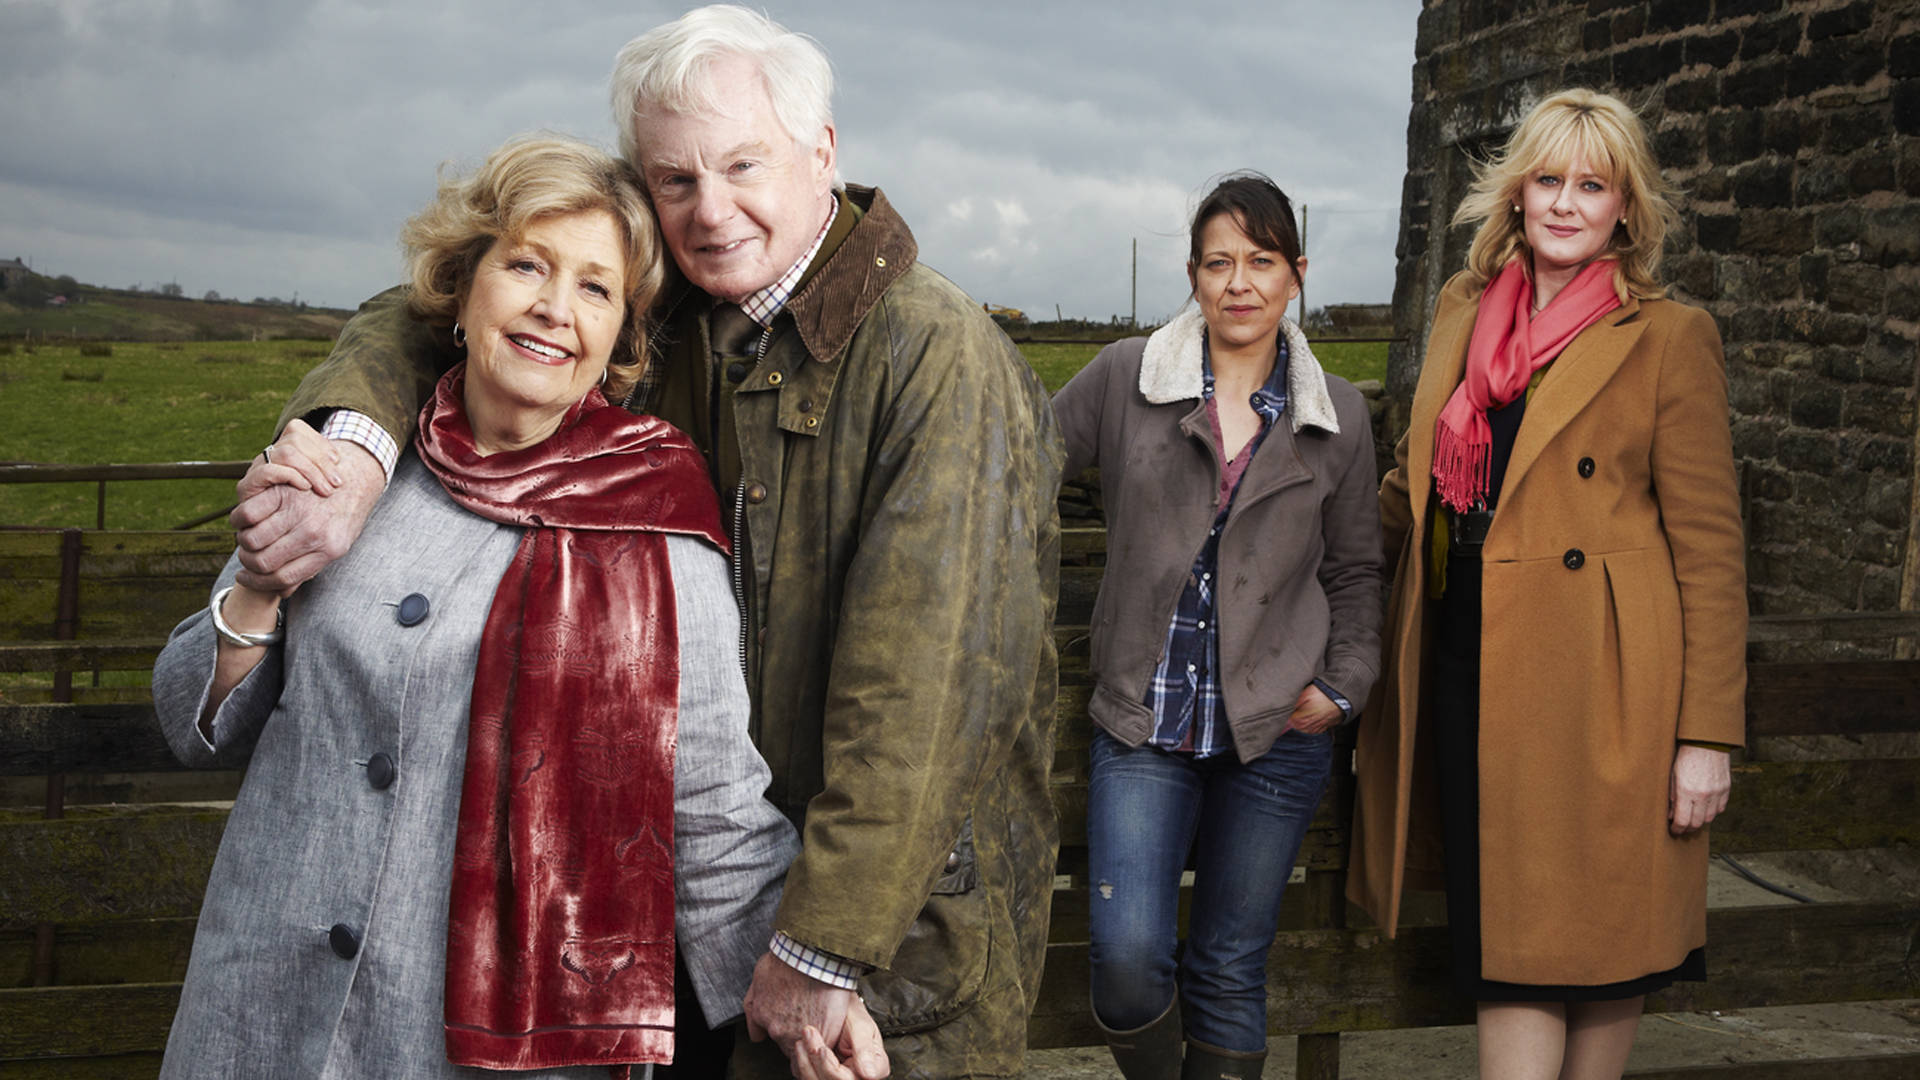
826,1032
301,506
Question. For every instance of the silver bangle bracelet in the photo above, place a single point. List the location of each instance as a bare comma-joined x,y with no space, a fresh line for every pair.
243,640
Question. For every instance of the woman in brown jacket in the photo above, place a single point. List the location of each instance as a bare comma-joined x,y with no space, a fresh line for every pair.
1565,667
1238,622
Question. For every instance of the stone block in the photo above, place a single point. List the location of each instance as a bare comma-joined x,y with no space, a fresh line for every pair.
1596,35
1886,501
1872,170
1879,410
1696,274
1734,9
1903,297
1889,359
1749,393
1694,95
1710,186
1807,451
1735,136
1763,184
1857,288
1713,50
1815,405
1891,235
1875,546
1825,574
1834,62
1840,226
1754,438
1776,232
1839,363
1908,169
1903,56
1879,589
1751,323
1757,84
1836,22
1770,483
1813,277
1717,232
1785,130
1773,36
1677,146
1906,107
1848,130
1666,16
1591,71
1629,23
1647,65
1819,181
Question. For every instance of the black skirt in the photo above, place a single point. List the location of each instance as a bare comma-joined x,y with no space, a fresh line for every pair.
1454,705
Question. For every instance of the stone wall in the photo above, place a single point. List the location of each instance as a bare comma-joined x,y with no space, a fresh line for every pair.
1793,130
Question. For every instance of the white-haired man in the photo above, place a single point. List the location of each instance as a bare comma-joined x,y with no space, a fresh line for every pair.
887,465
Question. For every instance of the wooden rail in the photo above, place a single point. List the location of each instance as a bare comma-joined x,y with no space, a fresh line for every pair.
107,896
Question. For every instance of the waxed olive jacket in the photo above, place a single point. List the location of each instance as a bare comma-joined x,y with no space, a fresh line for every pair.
898,469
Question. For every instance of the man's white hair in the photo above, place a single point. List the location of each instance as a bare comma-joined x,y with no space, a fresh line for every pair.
668,69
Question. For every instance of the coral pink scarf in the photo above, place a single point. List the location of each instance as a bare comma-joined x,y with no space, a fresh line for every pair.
560,915
1509,344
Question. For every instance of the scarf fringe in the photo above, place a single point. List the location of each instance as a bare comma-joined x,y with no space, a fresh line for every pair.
1461,466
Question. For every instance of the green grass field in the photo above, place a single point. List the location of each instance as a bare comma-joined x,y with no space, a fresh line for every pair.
217,401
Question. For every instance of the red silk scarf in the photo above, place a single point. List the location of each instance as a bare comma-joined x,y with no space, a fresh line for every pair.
1509,344
560,915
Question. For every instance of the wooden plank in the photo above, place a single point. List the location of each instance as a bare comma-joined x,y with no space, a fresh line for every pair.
1323,981
129,655
100,864
143,1066
1873,1067
37,473
140,951
1079,586
1854,697
86,1021
1840,626
48,738
1820,805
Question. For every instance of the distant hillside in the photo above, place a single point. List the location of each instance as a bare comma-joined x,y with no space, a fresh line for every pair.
28,308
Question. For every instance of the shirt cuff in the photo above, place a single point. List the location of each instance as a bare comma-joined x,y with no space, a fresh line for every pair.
1725,748
1346,707
358,428
807,960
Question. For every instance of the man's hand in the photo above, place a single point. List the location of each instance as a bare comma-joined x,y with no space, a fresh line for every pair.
303,509
784,1005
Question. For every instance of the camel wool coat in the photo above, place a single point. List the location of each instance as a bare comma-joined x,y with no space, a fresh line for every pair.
1615,619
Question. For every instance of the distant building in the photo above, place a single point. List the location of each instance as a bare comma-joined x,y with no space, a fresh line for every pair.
12,272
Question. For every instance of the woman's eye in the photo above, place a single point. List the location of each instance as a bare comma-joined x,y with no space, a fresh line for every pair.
599,290
525,265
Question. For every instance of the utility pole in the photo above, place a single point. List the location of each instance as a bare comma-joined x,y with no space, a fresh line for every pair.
1133,304
1302,320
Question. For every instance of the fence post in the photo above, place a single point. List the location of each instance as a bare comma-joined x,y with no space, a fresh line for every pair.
66,627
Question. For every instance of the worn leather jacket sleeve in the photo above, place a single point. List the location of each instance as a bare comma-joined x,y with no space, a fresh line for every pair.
941,630
1080,405
384,364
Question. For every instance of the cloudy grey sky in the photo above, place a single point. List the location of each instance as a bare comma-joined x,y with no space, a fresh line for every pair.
273,147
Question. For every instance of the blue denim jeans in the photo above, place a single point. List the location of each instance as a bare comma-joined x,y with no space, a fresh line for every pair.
1145,809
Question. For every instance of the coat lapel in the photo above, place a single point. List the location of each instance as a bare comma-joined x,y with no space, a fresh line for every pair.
1577,376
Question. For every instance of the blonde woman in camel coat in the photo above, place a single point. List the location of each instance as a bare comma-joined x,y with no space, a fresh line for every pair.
1611,622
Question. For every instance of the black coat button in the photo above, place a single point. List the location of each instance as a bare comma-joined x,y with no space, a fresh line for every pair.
413,609
1586,468
1574,558
346,943
381,771
737,371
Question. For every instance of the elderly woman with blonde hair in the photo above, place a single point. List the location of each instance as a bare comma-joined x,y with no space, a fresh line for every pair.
1565,667
494,779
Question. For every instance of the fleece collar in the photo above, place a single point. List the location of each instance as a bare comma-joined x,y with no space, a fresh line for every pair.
1170,371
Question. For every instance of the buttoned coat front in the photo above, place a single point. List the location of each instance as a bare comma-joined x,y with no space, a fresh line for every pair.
1614,610
323,836
1298,595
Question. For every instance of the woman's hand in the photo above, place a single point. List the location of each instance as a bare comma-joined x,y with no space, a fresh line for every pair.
1698,790
1314,712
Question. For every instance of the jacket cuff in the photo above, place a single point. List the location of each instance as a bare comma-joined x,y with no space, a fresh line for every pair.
815,963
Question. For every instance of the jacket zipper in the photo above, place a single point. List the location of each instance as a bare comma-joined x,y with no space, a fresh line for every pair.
740,529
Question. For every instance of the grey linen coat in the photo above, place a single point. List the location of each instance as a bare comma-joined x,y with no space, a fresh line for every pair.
313,844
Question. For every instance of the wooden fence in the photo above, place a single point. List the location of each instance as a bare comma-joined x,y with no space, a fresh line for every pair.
97,903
